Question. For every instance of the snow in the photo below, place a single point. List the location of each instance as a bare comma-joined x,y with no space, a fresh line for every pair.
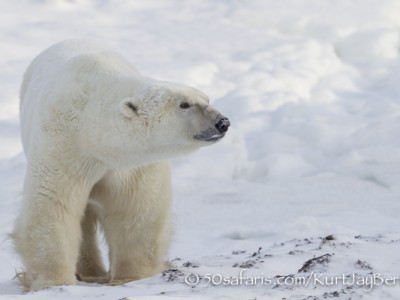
312,92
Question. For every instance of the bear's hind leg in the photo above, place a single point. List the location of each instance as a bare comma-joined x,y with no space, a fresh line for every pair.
90,266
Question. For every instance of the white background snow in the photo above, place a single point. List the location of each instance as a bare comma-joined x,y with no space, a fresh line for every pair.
312,89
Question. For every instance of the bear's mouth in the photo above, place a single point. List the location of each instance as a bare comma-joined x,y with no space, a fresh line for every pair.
215,138
210,135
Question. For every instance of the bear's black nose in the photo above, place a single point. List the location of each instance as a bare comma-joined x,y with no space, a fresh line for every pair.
223,125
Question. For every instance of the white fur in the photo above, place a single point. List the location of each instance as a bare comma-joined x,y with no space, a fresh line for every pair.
94,128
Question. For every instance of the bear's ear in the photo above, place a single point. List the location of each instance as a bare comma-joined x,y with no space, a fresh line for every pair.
129,107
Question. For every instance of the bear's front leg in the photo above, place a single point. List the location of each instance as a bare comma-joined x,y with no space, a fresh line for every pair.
136,220
138,251
47,232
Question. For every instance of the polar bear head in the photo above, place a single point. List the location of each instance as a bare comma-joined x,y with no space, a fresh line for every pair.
161,120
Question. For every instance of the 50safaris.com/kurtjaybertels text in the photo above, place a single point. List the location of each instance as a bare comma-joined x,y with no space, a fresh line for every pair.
367,282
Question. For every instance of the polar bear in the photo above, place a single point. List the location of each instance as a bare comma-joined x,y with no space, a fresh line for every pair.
98,136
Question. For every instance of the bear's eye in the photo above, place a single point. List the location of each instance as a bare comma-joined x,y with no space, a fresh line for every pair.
184,105
131,106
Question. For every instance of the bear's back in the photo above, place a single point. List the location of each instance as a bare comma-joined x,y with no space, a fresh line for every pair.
47,63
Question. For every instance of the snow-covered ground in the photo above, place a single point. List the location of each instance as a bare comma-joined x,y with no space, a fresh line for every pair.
303,193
